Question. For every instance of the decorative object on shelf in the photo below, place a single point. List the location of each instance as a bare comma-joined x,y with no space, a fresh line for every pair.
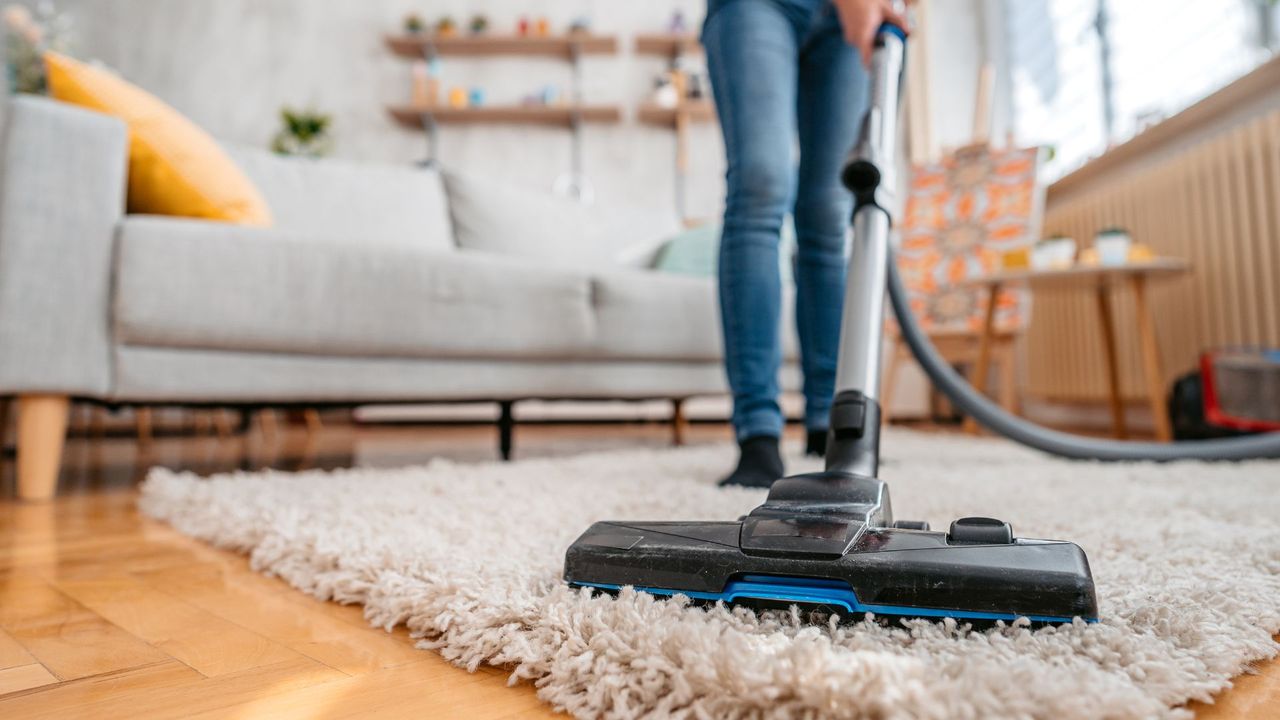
28,36
1016,259
457,97
1113,245
1056,252
581,25
546,96
479,24
426,83
446,27
414,24
677,24
305,134
475,98
522,26
433,81
665,95
542,27
697,86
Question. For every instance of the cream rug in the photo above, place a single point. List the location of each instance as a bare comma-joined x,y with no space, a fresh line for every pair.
1186,559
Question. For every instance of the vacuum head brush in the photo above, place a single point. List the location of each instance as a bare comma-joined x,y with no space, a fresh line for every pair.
828,540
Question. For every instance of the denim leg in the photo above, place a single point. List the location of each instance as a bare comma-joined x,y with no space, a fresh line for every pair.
752,48
831,100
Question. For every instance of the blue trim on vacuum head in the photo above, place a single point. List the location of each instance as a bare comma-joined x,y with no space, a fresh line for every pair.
824,592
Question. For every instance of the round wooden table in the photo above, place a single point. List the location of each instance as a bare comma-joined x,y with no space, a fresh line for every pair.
1098,280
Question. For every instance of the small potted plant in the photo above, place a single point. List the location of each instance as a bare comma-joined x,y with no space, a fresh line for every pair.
1113,246
479,24
305,133
414,24
1056,252
28,35
446,27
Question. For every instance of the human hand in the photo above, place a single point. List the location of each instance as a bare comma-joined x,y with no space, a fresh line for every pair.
861,19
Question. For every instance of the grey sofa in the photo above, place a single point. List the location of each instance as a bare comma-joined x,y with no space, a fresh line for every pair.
377,284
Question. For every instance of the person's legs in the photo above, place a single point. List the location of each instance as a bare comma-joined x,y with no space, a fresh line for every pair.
751,48
830,103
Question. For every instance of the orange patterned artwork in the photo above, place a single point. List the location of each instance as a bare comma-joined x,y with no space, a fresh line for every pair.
962,216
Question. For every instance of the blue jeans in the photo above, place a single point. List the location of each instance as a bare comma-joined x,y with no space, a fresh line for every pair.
780,69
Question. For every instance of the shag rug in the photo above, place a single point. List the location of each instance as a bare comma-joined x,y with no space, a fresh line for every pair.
1186,558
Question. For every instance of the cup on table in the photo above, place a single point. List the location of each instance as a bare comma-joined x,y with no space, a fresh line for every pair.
1113,248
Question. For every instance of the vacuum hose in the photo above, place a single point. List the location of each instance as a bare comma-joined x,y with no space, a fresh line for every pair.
996,419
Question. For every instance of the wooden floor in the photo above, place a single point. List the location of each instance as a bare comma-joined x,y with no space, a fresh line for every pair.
105,614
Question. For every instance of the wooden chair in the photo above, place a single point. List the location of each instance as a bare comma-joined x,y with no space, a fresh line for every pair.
964,215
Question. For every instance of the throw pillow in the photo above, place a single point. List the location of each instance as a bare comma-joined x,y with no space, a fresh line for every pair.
175,168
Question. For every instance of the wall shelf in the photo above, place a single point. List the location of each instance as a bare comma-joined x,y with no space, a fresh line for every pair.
551,115
698,111
555,46
667,45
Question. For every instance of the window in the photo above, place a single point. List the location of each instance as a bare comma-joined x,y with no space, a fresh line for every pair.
1078,93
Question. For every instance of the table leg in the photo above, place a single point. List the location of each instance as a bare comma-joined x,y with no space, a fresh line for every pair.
1151,360
1107,320
983,368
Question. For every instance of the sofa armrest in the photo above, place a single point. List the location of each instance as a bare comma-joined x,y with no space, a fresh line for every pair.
63,173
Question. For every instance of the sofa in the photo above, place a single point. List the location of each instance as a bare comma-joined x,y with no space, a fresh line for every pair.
376,284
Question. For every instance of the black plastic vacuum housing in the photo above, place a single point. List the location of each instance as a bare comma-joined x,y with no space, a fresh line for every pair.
829,539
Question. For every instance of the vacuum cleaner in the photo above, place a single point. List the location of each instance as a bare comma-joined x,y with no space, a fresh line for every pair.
830,539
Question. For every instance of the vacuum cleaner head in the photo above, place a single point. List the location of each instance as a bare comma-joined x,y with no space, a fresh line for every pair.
828,539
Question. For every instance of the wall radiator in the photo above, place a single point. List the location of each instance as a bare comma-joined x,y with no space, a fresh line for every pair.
1214,201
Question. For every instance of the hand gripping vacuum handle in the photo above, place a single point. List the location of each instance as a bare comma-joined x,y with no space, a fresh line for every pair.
869,168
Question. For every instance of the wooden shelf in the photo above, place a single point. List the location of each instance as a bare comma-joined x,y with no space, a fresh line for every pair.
557,46
700,111
554,115
667,45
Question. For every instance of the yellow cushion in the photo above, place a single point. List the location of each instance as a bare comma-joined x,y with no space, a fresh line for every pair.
175,168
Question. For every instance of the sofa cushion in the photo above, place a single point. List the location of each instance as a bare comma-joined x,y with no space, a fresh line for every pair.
665,317
189,284
495,217
647,315
341,201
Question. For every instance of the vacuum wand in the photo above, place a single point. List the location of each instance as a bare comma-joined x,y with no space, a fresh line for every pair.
853,444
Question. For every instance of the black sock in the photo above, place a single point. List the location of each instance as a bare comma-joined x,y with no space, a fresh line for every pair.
759,464
817,443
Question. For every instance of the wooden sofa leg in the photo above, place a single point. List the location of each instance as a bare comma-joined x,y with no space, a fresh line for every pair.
42,431
679,423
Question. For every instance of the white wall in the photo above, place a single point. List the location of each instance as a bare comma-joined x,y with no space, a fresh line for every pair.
231,64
